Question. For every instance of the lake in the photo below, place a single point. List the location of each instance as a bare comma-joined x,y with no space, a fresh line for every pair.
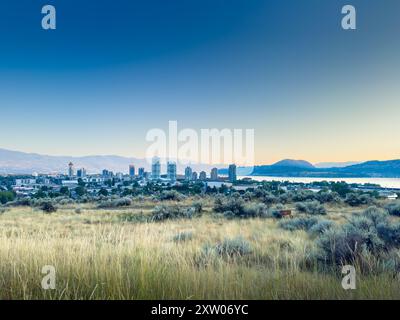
383,182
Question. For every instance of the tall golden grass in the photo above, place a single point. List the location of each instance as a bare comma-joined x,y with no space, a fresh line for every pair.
98,256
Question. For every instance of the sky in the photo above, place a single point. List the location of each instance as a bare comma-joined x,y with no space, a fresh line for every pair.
113,70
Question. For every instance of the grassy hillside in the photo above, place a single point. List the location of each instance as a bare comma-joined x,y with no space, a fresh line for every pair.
107,254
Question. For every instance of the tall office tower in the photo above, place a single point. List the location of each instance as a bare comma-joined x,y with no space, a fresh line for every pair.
203,176
214,174
141,173
155,169
171,171
188,173
81,173
131,171
194,176
232,173
71,172
105,173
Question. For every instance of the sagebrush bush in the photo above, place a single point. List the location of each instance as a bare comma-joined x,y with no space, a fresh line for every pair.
393,208
165,212
299,223
233,204
358,199
48,207
275,212
370,234
237,246
171,195
321,226
302,195
65,201
269,198
311,207
327,197
236,207
22,202
116,203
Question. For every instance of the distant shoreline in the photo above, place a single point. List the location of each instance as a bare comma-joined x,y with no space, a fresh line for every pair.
383,182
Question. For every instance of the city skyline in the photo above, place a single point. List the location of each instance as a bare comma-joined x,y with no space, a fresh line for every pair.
110,73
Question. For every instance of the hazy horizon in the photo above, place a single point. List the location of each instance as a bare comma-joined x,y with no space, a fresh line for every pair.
135,157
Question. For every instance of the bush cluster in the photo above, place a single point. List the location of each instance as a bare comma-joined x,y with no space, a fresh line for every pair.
311,207
116,203
370,234
299,223
166,212
237,246
236,207
358,199
393,208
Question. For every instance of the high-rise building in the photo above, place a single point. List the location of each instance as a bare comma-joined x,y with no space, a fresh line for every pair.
188,173
214,174
131,171
141,173
203,176
71,172
119,175
171,171
194,176
155,169
105,173
81,173
232,173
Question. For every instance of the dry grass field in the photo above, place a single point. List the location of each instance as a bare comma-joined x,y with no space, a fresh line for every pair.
100,254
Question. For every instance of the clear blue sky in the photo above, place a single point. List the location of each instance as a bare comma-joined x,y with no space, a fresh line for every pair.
114,69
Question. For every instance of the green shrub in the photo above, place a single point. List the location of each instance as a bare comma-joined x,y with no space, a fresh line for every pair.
117,203
171,195
164,212
311,207
299,223
237,246
48,207
358,199
236,207
393,208
303,195
327,197
6,196
369,234
321,226
275,212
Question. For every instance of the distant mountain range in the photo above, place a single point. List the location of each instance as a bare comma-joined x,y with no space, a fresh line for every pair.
15,162
296,168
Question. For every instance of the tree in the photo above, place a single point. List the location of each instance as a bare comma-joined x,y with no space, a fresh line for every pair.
64,191
80,191
103,192
6,196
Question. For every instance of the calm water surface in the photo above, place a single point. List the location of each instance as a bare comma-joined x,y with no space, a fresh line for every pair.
383,182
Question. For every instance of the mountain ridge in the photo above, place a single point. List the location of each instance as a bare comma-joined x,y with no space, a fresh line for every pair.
18,162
